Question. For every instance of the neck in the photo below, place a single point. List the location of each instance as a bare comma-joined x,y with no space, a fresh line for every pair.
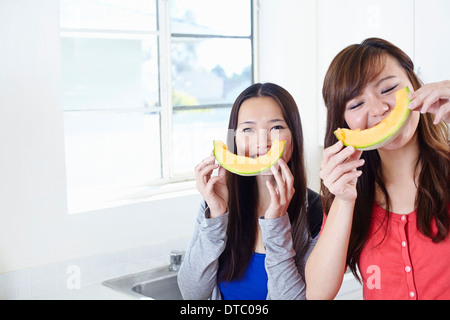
400,165
399,173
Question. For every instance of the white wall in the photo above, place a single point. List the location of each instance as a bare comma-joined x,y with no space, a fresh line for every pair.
288,57
432,39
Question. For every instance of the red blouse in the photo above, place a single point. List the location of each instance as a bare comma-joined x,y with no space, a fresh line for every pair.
406,264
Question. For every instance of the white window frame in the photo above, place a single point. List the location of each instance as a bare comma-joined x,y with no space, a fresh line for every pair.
170,185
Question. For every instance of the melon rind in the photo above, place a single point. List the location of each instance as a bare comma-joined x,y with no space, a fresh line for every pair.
402,101
254,166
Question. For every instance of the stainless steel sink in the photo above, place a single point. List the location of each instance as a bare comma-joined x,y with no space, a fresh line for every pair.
160,289
158,284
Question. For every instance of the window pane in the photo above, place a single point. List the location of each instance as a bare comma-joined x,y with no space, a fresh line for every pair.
111,150
193,135
210,71
137,15
102,73
218,17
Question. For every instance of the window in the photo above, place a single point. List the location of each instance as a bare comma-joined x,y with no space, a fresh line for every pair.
147,85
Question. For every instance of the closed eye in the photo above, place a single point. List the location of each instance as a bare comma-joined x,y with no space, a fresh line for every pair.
390,89
356,105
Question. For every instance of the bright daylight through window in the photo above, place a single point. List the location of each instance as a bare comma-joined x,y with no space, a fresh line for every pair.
147,85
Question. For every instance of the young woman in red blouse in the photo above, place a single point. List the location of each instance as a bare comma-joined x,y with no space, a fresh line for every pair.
387,210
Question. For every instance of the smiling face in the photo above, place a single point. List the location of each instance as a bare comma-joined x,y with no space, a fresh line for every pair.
260,121
377,100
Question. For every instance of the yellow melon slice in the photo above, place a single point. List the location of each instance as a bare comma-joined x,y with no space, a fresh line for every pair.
382,133
246,166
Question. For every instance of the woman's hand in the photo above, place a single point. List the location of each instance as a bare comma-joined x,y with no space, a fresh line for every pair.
213,189
338,170
433,98
281,195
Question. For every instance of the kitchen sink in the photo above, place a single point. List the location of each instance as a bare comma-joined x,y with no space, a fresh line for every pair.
160,289
158,284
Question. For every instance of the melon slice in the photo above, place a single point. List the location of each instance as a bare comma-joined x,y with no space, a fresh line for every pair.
246,166
382,133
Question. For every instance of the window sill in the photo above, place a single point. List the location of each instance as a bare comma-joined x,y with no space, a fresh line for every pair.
94,199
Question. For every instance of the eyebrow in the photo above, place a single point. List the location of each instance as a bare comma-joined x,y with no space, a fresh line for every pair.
253,122
384,79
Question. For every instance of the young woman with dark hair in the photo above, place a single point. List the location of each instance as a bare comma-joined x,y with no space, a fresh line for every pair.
387,210
254,234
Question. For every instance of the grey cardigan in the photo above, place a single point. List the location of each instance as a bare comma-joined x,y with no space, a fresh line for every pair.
197,277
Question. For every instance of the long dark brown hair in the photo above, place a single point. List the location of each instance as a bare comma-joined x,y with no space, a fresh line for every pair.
243,198
349,73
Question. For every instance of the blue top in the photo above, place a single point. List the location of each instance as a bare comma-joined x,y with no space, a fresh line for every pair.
253,286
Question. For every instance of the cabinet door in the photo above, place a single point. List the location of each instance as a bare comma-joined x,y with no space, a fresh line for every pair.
432,43
345,22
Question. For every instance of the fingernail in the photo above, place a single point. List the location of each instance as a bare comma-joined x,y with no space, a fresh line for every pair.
411,105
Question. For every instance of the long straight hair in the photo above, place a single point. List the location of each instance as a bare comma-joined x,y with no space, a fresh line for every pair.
243,198
349,73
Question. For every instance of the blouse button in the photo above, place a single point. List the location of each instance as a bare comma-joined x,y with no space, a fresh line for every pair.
408,269
403,218
411,294
403,244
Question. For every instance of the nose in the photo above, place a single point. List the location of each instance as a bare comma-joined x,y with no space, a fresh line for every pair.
264,140
377,107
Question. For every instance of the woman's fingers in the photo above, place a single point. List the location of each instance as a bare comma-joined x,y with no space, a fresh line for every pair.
221,172
288,178
424,99
212,181
335,159
433,98
329,152
204,162
443,114
273,193
341,170
203,171
281,185
429,94
345,184
281,194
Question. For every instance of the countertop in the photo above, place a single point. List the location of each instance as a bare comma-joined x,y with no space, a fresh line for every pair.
350,290
91,292
101,292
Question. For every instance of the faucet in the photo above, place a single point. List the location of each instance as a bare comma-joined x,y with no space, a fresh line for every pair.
175,260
